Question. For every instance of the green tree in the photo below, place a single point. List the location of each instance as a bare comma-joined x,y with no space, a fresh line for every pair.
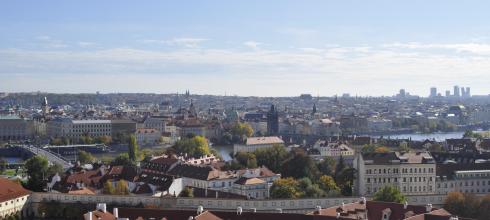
108,188
196,146
55,168
187,192
85,157
300,165
328,184
309,189
326,166
242,130
246,159
345,180
122,188
285,188
389,194
132,148
36,169
272,158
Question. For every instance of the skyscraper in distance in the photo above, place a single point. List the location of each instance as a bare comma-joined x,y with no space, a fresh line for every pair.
456,91
433,92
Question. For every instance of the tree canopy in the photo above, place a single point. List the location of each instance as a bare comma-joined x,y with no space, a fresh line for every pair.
132,149
196,146
389,194
36,169
285,188
85,157
272,157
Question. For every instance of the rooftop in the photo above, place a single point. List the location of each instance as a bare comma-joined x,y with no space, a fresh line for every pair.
264,140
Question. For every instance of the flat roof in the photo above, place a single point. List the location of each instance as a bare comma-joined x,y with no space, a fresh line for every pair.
264,140
91,121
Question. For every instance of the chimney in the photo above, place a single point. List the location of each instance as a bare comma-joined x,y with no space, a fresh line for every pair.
115,212
338,214
279,210
343,205
363,200
254,210
88,216
405,205
428,208
453,218
318,209
102,207
239,210
200,209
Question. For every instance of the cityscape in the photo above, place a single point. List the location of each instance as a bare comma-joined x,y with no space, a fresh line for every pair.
112,111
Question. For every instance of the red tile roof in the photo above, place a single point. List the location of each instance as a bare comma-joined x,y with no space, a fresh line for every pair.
10,190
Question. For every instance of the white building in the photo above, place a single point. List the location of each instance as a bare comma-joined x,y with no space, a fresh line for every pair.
254,143
12,198
75,129
146,136
334,149
464,178
411,173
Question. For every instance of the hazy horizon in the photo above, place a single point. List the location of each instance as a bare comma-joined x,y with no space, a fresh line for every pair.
245,48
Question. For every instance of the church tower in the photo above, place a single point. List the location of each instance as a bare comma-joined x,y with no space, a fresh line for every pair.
272,121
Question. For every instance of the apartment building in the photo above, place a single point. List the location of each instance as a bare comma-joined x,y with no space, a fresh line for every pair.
412,173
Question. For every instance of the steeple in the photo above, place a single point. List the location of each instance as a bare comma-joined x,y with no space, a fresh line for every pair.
314,109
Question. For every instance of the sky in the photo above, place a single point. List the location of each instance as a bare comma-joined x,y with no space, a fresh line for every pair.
247,47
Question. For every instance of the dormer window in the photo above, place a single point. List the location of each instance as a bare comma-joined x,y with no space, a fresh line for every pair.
386,214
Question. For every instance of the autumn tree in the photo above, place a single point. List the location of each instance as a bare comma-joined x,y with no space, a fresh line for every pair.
132,149
122,187
328,184
285,188
109,188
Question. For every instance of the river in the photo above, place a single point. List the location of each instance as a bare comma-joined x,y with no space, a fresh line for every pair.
422,136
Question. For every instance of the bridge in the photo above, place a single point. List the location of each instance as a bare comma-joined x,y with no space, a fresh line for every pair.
53,158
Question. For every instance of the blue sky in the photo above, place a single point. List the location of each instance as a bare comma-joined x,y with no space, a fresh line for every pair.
265,48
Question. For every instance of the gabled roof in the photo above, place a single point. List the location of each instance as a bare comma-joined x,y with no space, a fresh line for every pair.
11,190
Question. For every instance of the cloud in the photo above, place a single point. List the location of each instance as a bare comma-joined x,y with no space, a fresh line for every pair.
476,48
252,44
85,44
333,69
50,43
183,42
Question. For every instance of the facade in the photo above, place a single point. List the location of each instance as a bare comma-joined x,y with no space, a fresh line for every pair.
334,149
12,197
148,136
122,127
254,143
14,128
76,129
411,173
464,178
325,127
